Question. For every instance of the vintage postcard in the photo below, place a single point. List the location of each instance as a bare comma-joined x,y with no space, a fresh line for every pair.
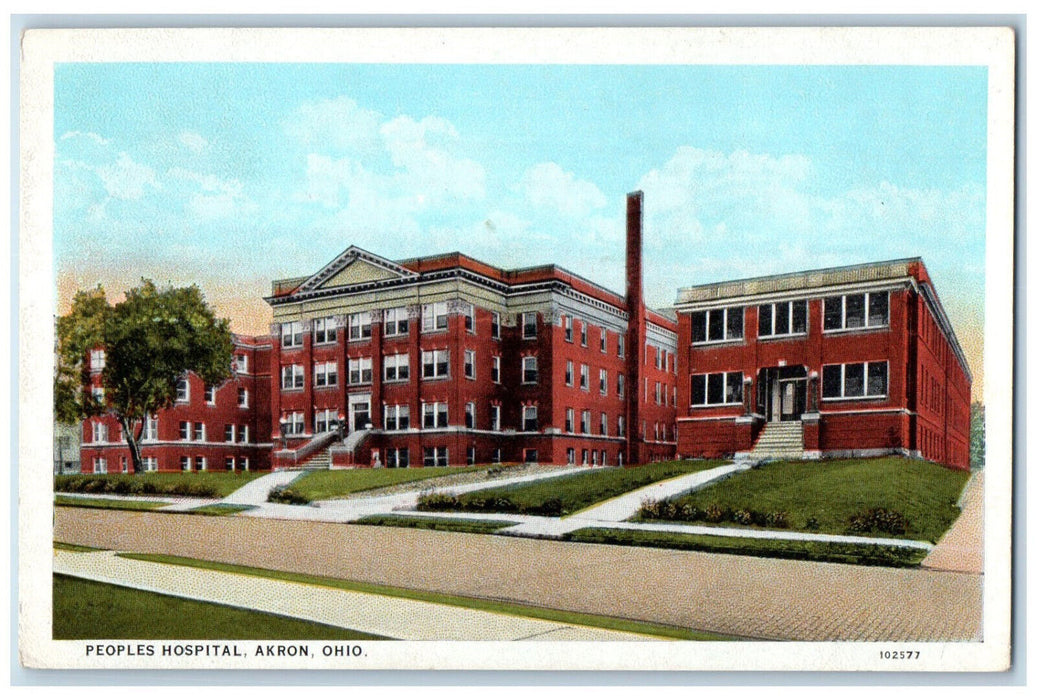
586,349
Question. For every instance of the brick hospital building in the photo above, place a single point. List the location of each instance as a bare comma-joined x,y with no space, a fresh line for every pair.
446,360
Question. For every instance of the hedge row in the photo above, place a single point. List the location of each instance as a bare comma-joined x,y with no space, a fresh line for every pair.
130,485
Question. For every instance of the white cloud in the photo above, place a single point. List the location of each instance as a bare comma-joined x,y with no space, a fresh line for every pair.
424,153
207,196
196,143
337,125
87,135
547,186
127,179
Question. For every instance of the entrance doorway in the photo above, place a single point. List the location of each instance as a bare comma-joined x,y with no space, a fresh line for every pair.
782,393
359,411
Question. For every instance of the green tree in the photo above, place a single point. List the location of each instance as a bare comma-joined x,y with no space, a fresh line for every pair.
978,436
151,340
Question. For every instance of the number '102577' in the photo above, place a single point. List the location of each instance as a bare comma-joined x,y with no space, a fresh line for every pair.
902,654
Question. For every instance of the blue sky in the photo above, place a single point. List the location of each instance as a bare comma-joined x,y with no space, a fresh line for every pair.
233,174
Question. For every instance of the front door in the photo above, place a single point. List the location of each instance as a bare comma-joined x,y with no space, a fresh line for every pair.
793,398
359,411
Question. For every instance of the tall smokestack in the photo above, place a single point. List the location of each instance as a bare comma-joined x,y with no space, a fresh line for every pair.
635,326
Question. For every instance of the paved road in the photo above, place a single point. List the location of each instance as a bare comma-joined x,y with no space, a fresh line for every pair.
742,596
396,618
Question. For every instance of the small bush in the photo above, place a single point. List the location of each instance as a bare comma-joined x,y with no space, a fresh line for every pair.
779,519
284,494
716,513
691,513
436,501
813,524
742,517
879,520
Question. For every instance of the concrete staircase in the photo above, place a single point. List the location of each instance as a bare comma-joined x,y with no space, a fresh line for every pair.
318,460
779,440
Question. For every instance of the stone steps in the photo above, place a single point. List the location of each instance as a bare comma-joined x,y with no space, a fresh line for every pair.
781,440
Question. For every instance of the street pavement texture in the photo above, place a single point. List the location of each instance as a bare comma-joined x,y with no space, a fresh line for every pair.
396,618
733,595
961,547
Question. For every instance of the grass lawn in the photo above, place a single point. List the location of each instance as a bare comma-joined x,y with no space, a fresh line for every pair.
109,503
75,547
746,546
220,509
325,484
448,524
568,494
200,484
564,616
829,492
91,610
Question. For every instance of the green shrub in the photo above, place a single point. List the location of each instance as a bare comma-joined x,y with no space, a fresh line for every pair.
716,513
780,519
742,517
879,520
437,501
813,524
284,494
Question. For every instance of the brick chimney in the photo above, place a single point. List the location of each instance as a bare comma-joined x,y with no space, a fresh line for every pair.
635,327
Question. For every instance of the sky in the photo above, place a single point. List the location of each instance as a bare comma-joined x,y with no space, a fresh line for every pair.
232,175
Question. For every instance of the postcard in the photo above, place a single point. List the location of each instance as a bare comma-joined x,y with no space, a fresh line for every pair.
505,348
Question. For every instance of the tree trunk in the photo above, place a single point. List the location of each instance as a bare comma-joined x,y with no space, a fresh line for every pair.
133,440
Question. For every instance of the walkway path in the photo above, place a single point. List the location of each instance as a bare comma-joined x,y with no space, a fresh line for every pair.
734,595
397,618
255,492
961,548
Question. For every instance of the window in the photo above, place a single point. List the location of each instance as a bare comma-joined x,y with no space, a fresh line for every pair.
150,429
570,420
603,424
529,418
240,363
469,364
716,389
199,432
603,382
325,420
470,455
529,370
495,325
291,334
360,370
243,398
210,395
185,430
325,374
783,318
621,386
183,390
856,380
100,465
96,360
434,316
200,463
243,461
569,373
604,340
435,364
716,325
570,455
495,417
436,457
585,373
658,394
434,415
584,454
324,330
242,433
396,322
530,455
567,324
293,423
469,415
583,333
396,368
360,326
228,464
868,310
529,326
585,422
228,432
99,432
185,464
495,370
621,426
621,345
398,458
468,311
151,464
292,377
397,417
98,393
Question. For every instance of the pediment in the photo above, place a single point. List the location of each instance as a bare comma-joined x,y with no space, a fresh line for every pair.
355,266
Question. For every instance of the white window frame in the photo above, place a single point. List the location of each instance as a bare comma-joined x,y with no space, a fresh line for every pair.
495,370
435,317
97,360
603,424
526,335
621,345
100,465
435,457
621,426
529,413
790,333
865,396
198,433
530,371
495,417
570,420
585,377
397,416
150,463
585,422
468,311
569,373
293,377
603,382
183,390
242,397
98,431
604,340
324,420
186,431
724,402
469,364
241,363
359,326
360,371
210,395
583,333
469,415
567,326
325,374
438,360
291,334
150,431
495,325
230,433
396,368
867,313
396,322
438,411
325,330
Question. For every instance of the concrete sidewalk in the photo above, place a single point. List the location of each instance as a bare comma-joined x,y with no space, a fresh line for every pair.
961,548
396,618
255,492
